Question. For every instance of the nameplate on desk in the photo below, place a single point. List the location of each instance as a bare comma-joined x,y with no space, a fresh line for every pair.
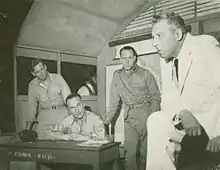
21,154
39,156
45,156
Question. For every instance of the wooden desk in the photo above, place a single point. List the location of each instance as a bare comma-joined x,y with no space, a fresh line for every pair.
58,152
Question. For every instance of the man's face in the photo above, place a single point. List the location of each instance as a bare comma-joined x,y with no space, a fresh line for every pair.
164,39
40,71
128,59
75,107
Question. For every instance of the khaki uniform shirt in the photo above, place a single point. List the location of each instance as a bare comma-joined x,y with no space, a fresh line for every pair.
53,96
137,87
90,124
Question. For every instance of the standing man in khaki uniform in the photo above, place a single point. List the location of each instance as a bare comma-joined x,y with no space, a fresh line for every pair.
50,91
135,89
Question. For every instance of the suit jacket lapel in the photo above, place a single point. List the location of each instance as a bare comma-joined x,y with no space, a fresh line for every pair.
185,61
184,72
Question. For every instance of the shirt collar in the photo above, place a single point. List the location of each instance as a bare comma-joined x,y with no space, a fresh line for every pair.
84,119
133,70
184,56
185,50
49,76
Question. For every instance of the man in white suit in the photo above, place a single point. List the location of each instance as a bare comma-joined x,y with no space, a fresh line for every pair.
190,89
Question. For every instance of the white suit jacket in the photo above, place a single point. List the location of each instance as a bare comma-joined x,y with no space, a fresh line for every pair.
199,82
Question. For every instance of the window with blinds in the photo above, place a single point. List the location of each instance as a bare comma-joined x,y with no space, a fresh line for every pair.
188,9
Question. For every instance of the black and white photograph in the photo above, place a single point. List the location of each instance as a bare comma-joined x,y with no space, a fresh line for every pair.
109,84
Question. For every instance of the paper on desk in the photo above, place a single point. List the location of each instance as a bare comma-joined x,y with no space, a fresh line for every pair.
78,138
93,143
71,137
56,136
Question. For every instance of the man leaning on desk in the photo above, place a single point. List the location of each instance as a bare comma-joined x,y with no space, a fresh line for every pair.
46,96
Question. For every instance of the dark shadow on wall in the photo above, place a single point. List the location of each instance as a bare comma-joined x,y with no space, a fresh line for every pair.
13,13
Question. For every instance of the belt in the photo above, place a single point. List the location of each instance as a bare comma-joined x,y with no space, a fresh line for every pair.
129,107
134,106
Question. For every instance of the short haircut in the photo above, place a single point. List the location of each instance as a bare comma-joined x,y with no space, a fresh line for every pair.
36,62
73,95
171,18
129,48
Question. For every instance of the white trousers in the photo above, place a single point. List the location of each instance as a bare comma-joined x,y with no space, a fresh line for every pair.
159,126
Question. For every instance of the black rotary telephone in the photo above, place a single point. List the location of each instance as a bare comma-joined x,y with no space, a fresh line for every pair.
29,135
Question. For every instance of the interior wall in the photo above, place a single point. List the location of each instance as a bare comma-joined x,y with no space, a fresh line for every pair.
58,25
105,57
12,16
212,26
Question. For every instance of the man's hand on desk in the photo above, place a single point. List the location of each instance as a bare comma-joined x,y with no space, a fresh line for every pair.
214,144
107,120
190,123
29,123
110,138
54,128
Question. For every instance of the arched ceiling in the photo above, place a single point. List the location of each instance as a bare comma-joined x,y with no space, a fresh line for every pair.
79,26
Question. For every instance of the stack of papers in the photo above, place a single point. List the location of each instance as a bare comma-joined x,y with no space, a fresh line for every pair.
93,143
80,139
61,136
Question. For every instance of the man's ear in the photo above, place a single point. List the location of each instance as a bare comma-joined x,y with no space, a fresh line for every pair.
136,59
179,34
45,66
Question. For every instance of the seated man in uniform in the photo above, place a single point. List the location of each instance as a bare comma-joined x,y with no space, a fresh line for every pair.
81,121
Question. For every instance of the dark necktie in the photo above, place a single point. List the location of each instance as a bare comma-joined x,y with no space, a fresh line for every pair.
176,62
